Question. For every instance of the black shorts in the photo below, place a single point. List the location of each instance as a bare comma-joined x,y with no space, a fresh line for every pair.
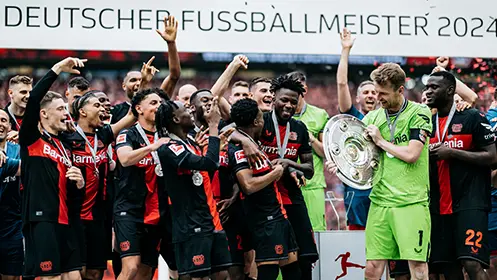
166,245
299,219
95,245
11,257
202,254
51,249
398,268
239,240
273,241
138,239
462,235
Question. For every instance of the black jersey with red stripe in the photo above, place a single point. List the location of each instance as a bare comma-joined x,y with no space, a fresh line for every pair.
456,185
193,208
139,194
95,190
48,195
262,206
298,144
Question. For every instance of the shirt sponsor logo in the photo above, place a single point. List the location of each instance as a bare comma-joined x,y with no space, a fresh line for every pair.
121,139
89,159
489,136
177,149
54,154
459,144
223,159
240,157
457,127
274,150
9,179
401,139
146,161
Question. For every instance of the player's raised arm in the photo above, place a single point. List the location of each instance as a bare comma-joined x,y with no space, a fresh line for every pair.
344,98
169,35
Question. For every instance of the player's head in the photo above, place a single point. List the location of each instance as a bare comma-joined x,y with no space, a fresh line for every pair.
367,97
105,101
286,95
300,76
259,88
145,103
131,83
173,116
389,80
76,87
440,89
239,90
19,89
199,101
4,125
53,112
89,110
245,113
184,94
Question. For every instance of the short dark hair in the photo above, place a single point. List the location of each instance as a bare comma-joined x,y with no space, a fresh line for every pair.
49,97
285,81
244,112
240,84
194,95
80,102
257,80
447,76
79,83
142,94
164,117
298,75
20,79
495,94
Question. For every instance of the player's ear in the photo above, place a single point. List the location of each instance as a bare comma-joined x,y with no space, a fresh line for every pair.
43,114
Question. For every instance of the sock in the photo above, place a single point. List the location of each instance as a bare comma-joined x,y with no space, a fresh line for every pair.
268,272
291,271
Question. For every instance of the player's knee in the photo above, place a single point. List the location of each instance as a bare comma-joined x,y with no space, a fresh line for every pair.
372,271
471,266
420,274
93,274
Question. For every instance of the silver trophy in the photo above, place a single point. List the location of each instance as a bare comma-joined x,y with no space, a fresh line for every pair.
346,143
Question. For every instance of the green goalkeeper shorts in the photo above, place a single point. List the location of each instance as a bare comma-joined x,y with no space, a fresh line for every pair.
400,233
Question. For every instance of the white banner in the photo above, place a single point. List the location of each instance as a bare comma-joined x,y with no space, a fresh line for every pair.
382,27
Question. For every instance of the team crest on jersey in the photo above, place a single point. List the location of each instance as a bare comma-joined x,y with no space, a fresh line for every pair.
177,149
457,127
121,139
293,136
240,157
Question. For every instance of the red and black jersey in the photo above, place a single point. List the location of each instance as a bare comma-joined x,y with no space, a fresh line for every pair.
48,195
456,185
193,208
139,194
262,206
15,121
95,190
298,144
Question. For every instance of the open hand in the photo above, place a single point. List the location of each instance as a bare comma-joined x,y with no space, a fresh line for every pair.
170,29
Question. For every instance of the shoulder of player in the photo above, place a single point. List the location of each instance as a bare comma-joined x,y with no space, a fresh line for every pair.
416,107
316,110
297,123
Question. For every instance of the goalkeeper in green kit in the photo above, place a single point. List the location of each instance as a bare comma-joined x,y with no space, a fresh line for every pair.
398,225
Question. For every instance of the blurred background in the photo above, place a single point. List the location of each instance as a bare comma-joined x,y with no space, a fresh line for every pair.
106,70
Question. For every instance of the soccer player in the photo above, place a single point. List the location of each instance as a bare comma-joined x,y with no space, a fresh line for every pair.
400,129
200,244
11,246
315,120
260,90
90,143
239,90
132,81
50,182
461,151
140,203
367,98
286,141
272,234
19,90
76,87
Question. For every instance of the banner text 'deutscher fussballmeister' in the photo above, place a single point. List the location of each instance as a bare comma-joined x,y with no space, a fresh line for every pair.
382,27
